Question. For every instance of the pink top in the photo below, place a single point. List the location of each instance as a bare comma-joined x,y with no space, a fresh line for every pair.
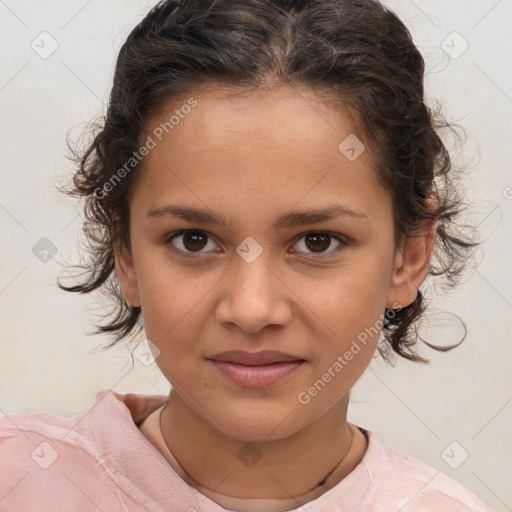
100,460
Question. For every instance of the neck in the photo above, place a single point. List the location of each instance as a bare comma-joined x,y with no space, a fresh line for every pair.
325,451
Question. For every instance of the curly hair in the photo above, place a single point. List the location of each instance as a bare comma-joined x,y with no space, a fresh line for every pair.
355,54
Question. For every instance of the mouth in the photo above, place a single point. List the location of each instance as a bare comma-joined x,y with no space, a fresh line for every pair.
256,369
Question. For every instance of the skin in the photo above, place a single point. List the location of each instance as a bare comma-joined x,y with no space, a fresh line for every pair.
250,158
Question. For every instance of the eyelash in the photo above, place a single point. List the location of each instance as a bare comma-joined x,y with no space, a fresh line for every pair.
342,240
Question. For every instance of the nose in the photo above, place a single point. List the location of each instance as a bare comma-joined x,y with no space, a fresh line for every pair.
254,296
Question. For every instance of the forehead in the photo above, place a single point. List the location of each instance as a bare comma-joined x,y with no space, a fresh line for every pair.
272,118
255,148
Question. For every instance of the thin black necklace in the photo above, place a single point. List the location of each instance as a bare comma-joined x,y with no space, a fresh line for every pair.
322,482
319,484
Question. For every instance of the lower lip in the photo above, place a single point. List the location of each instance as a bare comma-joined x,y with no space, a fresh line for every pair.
257,376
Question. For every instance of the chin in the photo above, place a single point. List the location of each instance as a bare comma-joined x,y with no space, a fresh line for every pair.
259,426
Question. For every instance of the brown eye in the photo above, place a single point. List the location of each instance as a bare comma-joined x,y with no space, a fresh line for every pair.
318,243
190,241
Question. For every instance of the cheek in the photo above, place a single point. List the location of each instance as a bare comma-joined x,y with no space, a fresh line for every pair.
345,315
347,299
172,300
346,332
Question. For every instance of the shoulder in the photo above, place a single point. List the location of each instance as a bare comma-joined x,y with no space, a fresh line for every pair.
38,439
97,459
50,459
417,486
21,432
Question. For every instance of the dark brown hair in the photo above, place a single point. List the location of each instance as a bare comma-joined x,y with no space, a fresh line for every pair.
355,54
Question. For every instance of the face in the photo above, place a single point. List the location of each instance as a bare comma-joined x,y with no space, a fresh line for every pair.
303,262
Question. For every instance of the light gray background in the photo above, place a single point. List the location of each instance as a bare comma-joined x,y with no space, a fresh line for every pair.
48,363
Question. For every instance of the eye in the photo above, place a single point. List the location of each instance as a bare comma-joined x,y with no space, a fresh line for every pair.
319,241
194,241
190,241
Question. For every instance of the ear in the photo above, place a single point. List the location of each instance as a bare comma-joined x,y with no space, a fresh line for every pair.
127,275
411,265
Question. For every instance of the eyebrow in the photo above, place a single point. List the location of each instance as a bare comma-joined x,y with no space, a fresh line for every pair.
288,220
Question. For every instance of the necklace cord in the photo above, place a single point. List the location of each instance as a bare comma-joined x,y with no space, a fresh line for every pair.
319,484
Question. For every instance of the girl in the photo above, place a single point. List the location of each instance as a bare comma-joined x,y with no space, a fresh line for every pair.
263,201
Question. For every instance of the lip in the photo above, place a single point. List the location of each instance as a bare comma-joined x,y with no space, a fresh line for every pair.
256,369
262,357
